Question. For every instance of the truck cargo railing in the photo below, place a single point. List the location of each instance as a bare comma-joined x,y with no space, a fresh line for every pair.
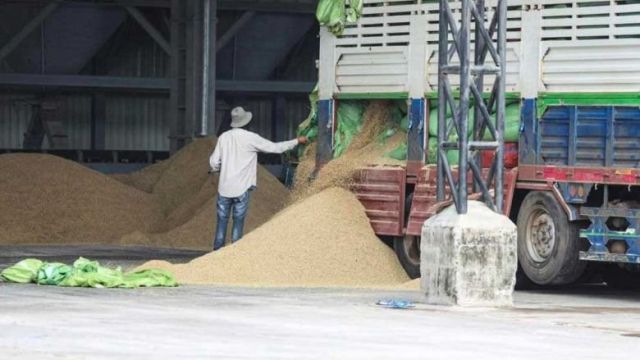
553,46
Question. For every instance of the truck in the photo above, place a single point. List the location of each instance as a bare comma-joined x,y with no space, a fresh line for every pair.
572,182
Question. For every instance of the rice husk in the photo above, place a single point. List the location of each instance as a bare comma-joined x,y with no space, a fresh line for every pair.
410,285
145,178
186,194
324,240
364,150
49,200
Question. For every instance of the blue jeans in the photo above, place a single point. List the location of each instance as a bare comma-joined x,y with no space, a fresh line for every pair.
225,205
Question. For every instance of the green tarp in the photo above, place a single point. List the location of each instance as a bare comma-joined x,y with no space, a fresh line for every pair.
452,155
349,124
399,153
25,271
335,14
309,126
511,122
84,273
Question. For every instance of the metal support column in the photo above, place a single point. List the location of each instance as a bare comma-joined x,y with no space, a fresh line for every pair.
193,65
208,111
455,40
178,76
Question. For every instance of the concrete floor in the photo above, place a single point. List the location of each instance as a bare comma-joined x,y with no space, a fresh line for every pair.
223,322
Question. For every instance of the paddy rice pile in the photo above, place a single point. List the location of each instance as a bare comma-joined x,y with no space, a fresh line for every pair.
322,238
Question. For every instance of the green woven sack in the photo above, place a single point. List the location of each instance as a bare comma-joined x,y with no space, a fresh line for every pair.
53,273
23,272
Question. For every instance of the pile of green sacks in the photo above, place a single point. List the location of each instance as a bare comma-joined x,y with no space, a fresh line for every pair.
334,14
350,120
511,130
84,273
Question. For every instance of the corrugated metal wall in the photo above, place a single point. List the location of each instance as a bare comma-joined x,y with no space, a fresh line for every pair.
137,123
16,111
133,122
141,122
75,110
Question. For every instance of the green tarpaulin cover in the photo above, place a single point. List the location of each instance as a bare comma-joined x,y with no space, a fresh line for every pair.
334,14
511,122
25,271
84,273
349,124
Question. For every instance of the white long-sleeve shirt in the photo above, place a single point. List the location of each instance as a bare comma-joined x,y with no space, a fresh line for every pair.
236,157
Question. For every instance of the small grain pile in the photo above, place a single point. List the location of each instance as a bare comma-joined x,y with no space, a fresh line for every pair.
366,149
185,194
49,200
324,240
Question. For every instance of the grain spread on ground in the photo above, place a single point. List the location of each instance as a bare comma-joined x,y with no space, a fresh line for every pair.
324,240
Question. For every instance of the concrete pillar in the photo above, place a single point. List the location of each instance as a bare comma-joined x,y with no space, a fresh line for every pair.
470,259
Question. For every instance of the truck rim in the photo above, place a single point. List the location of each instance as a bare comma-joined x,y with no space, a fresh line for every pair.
411,245
541,236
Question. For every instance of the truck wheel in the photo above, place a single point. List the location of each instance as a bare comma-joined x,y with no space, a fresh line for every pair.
407,249
548,246
619,276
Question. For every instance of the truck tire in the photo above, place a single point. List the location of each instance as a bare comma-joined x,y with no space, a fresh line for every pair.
407,250
548,244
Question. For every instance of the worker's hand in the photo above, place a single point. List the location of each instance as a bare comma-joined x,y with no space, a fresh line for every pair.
302,140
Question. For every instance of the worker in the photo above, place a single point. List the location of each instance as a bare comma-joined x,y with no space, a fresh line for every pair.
236,158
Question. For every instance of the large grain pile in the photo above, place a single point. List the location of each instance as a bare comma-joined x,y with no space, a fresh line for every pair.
366,149
324,240
186,194
48,200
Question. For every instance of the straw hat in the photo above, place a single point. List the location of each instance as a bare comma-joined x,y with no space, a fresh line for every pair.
240,117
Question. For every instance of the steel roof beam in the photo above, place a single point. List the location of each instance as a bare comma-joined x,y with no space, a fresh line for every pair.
147,83
149,28
246,5
28,29
234,29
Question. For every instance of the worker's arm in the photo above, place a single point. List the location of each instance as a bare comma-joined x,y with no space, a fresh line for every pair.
261,144
215,160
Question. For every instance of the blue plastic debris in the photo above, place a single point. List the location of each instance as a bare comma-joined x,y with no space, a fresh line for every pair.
396,304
